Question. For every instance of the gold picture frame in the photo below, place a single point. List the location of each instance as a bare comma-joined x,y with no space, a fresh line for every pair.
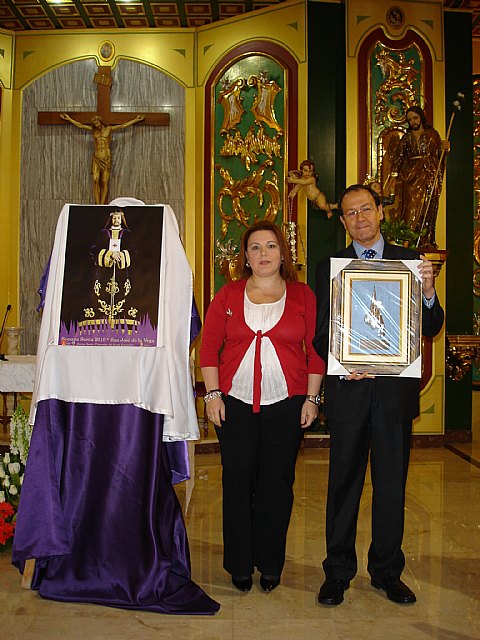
375,317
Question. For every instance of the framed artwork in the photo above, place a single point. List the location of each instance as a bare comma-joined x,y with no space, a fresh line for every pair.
375,317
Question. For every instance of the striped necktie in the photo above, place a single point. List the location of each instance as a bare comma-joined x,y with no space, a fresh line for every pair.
369,254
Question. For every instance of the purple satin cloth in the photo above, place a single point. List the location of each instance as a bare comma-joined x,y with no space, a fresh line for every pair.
42,287
99,513
195,322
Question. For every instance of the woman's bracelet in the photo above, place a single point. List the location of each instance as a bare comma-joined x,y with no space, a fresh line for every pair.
212,395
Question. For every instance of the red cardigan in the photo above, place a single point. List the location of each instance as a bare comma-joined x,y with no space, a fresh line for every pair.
226,337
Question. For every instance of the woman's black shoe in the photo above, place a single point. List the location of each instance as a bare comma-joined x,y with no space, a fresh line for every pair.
269,583
243,583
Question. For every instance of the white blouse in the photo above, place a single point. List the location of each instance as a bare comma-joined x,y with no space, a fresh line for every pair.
261,317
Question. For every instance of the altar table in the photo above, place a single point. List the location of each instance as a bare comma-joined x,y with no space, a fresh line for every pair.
17,375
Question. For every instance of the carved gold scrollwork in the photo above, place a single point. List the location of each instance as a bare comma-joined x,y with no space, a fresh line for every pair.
263,103
476,283
476,255
476,98
231,101
397,86
271,187
250,186
476,148
250,147
476,246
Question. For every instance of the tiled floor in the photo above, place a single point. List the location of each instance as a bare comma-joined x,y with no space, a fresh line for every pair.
442,546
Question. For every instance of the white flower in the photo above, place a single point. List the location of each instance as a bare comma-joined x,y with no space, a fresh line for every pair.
20,433
457,103
2,471
2,496
21,479
6,482
6,458
13,490
14,467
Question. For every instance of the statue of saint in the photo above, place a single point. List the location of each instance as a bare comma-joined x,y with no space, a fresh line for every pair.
306,179
416,175
102,157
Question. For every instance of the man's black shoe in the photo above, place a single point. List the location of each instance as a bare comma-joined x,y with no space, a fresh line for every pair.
243,583
331,591
396,590
269,583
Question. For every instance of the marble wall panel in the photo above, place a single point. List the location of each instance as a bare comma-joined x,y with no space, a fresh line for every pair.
148,162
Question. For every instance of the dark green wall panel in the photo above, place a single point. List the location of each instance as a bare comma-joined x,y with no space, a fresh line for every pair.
326,124
459,184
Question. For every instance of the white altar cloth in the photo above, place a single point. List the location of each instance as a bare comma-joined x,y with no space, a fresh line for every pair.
17,374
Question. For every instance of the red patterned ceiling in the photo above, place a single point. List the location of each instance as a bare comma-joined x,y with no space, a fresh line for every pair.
21,15
25,15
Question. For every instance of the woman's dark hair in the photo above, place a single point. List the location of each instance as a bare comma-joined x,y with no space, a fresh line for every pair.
287,270
358,187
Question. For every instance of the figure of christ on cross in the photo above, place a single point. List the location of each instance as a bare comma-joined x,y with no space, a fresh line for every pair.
102,124
102,157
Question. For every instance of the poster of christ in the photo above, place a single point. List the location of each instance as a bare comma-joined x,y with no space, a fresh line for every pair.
112,276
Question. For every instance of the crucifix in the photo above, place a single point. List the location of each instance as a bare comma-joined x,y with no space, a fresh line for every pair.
102,124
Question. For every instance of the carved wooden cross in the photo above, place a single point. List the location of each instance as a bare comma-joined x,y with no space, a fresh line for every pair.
103,80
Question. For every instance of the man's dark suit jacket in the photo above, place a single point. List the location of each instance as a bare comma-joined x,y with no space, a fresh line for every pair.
398,396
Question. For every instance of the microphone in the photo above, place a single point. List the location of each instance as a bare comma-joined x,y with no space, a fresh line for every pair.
7,311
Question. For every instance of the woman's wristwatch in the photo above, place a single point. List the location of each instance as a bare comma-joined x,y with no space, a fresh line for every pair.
314,399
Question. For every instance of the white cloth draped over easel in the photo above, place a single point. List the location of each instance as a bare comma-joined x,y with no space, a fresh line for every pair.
153,378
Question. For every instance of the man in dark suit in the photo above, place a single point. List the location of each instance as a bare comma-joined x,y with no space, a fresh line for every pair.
367,413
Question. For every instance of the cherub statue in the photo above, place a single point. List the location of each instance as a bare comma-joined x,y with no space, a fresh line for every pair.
306,178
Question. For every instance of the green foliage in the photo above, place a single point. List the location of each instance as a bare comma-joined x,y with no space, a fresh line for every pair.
397,232
12,469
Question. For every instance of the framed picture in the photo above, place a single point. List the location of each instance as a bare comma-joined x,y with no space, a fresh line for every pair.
375,317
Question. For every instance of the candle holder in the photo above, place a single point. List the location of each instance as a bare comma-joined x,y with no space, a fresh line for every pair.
12,338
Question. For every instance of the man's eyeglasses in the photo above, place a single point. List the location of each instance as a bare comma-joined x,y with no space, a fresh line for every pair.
367,210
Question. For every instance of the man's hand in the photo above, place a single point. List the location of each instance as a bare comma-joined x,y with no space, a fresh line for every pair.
428,279
359,375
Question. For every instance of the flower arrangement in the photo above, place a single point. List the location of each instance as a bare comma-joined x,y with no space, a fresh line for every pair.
12,469
7,524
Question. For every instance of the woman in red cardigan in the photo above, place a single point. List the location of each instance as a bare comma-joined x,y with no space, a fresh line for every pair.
262,377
